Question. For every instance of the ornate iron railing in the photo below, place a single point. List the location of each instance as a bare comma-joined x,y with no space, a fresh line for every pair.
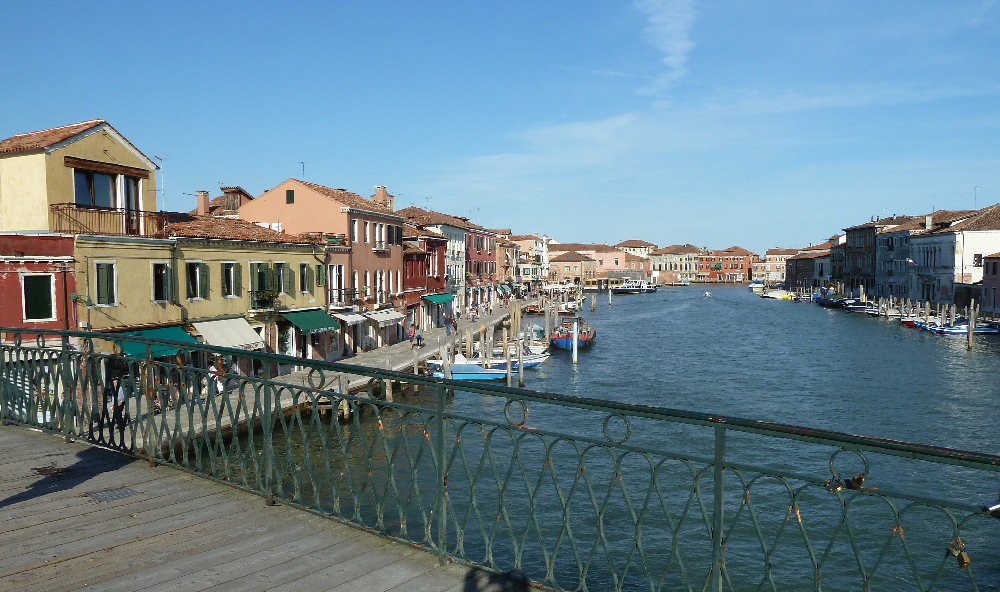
576,493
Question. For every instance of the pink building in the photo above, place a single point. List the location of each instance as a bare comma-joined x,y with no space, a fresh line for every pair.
373,272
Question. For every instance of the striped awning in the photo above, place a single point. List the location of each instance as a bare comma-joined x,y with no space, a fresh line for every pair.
349,318
229,333
385,317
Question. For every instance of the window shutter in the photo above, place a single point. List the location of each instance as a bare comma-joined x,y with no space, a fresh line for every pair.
222,278
309,279
399,235
320,275
254,277
237,279
203,280
286,280
103,284
274,282
391,239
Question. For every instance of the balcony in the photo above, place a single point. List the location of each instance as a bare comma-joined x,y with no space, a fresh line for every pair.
380,247
72,218
263,299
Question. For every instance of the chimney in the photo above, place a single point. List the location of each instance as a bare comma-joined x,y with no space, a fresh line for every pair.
927,222
382,197
202,203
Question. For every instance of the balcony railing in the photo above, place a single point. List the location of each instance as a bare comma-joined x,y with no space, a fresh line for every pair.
263,299
380,247
78,219
575,493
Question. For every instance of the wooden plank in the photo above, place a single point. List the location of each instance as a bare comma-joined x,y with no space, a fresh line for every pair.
393,574
340,573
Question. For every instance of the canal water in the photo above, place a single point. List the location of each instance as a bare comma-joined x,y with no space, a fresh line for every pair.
527,498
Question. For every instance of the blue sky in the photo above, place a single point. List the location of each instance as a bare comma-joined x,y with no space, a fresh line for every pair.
759,124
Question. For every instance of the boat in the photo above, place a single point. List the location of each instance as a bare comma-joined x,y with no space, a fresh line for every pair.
777,294
562,337
756,286
473,373
634,287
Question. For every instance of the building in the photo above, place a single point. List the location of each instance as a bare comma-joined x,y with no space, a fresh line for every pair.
894,264
774,265
375,262
948,261
534,258
675,264
611,261
733,264
859,253
572,268
37,283
988,301
428,301
639,248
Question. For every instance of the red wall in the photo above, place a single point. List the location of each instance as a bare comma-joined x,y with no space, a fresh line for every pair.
20,252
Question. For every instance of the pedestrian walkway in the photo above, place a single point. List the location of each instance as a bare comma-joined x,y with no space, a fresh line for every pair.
74,516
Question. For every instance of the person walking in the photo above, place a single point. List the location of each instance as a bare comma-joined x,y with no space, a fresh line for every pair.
411,333
120,417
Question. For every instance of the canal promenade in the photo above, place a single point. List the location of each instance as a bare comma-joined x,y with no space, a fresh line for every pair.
75,516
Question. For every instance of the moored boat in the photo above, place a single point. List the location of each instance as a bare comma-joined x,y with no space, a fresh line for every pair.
562,337
634,287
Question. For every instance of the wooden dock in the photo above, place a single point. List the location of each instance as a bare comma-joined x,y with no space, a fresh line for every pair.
74,516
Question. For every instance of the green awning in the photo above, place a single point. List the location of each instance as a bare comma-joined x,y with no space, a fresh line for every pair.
134,349
504,289
312,321
439,298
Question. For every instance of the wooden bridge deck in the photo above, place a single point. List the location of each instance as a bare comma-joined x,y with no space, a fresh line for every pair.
75,516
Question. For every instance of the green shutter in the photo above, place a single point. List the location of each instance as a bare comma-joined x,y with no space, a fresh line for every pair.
321,275
310,282
105,279
255,277
274,277
237,279
399,235
203,280
287,282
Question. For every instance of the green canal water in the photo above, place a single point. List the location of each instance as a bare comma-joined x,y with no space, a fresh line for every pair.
521,494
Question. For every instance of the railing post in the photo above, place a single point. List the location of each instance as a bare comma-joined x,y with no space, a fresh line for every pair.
442,474
268,429
718,489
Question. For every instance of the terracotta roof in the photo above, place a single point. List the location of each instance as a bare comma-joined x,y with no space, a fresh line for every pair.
596,247
520,237
985,219
411,231
733,250
410,249
634,243
503,231
630,257
186,225
677,250
45,138
345,197
811,255
422,217
882,223
569,256
777,251
993,256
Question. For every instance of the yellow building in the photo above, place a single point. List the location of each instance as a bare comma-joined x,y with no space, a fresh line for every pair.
79,178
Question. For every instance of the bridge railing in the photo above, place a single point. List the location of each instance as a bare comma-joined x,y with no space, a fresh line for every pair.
576,493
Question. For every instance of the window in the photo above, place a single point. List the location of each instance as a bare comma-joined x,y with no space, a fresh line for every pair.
94,189
232,283
38,293
260,277
305,278
391,240
354,230
289,196
161,282
107,277
282,278
366,232
320,275
354,282
368,281
197,279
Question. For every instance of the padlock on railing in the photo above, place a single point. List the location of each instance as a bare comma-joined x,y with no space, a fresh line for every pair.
956,549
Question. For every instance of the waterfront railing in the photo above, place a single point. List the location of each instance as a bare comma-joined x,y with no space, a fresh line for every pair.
575,493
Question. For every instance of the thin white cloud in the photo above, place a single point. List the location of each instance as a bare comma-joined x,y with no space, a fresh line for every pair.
668,30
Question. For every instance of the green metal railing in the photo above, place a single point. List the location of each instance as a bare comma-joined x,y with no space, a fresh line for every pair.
575,493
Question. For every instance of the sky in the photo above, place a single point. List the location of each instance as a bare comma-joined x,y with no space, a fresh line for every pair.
758,124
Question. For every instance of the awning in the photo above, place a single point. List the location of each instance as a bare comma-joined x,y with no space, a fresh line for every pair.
230,333
504,289
312,321
349,318
439,298
134,349
385,317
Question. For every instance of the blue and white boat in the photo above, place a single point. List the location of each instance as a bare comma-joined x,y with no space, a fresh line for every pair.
634,287
562,337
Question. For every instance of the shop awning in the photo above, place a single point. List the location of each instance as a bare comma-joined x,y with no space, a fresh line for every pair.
135,349
349,318
439,298
385,317
504,289
229,333
312,321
